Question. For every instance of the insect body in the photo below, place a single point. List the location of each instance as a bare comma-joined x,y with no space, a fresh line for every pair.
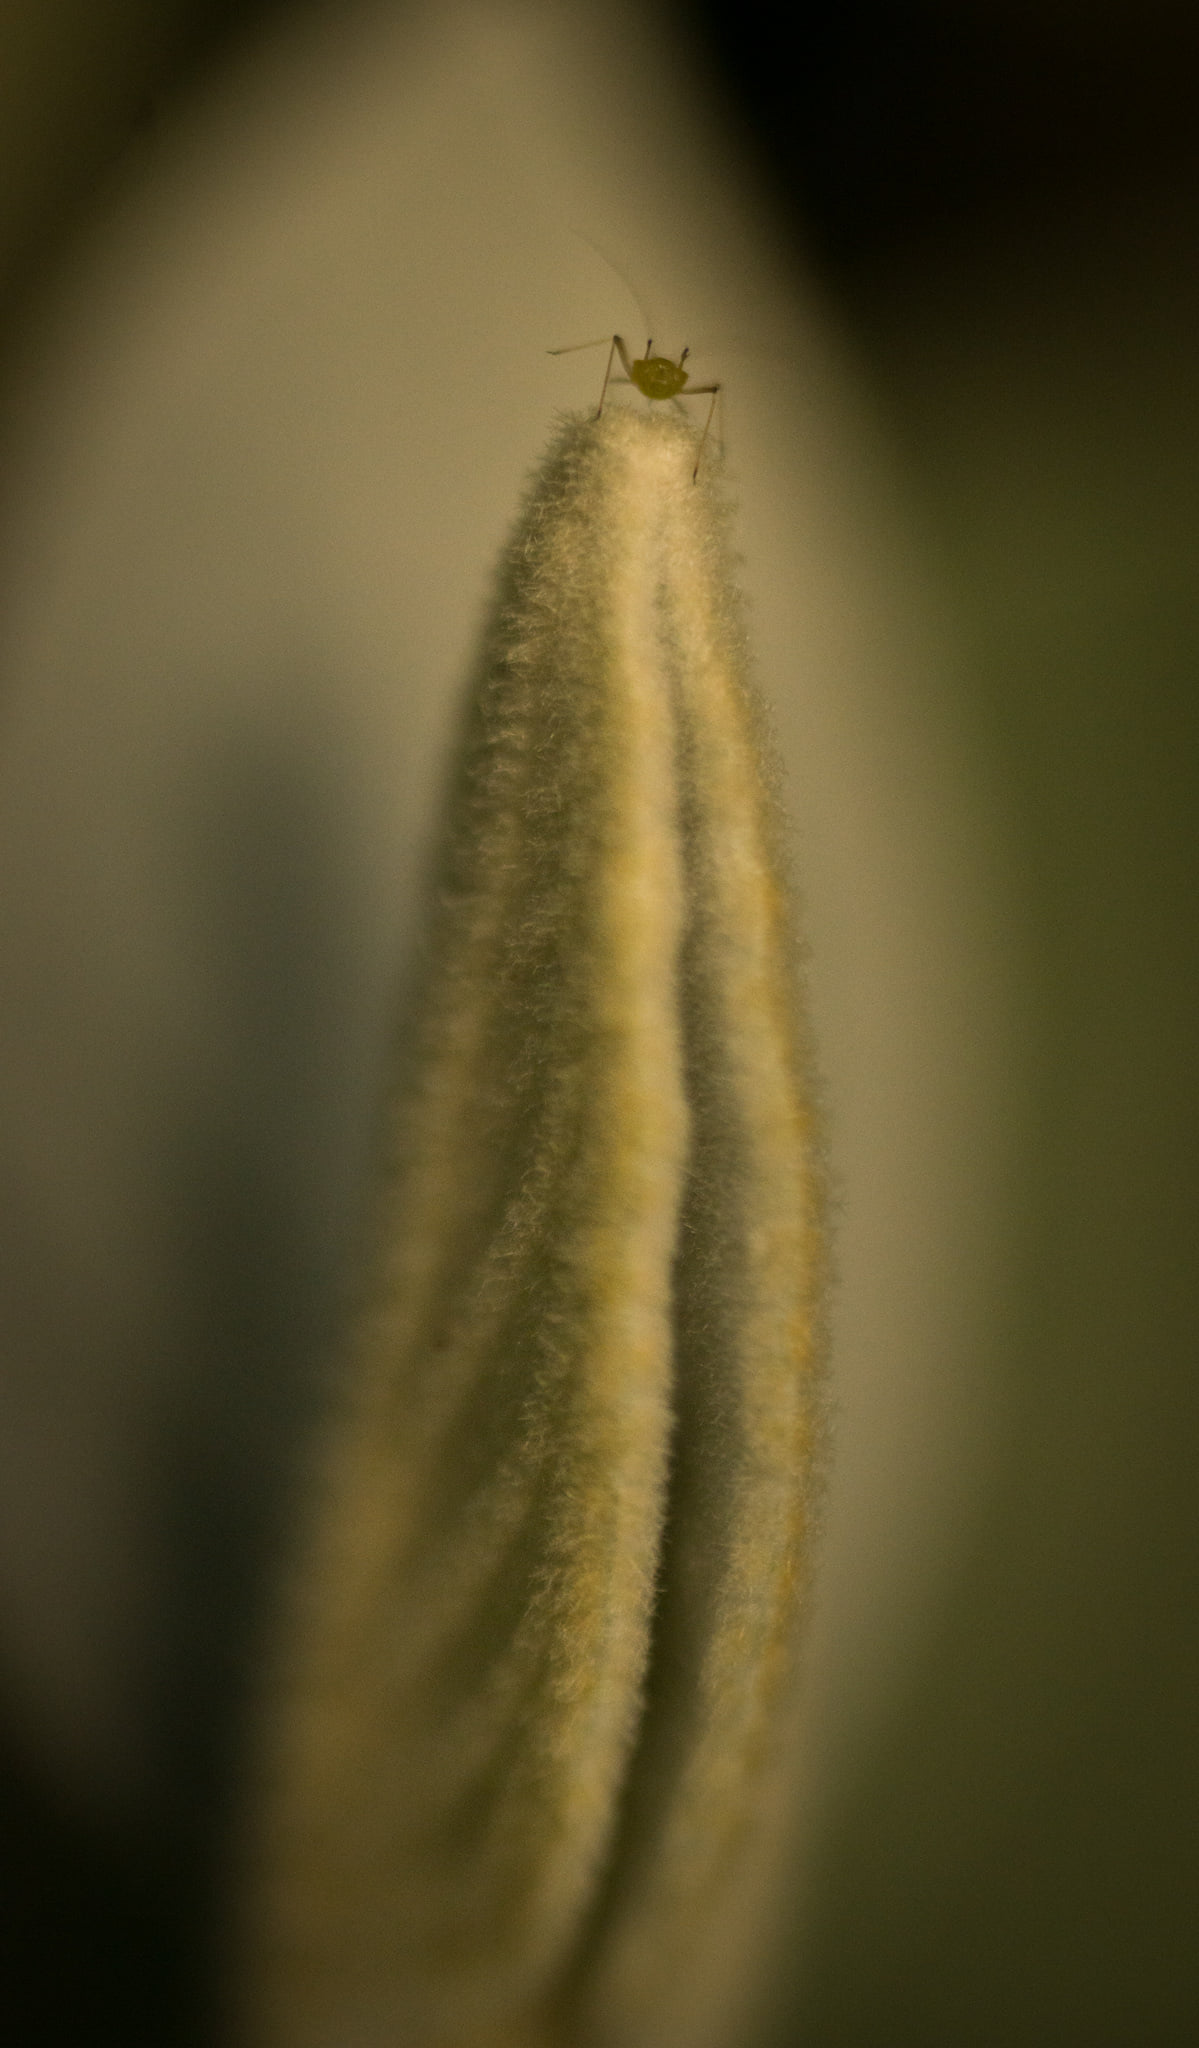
654,376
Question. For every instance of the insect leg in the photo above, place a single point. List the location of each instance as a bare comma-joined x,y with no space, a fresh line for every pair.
697,391
607,373
619,349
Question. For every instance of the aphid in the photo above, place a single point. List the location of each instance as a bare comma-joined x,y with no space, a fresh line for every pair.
654,376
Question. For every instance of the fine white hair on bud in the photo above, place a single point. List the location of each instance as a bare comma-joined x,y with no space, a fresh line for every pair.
517,1744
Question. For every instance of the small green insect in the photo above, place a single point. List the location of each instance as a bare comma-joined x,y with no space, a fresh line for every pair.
654,376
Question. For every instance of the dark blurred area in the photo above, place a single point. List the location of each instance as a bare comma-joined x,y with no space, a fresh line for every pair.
1001,204
884,127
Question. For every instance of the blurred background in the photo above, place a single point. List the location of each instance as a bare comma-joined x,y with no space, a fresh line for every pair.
999,204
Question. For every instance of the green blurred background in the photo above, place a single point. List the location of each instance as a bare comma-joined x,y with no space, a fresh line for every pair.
1001,205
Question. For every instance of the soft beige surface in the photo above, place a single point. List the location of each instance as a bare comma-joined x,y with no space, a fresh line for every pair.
268,447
